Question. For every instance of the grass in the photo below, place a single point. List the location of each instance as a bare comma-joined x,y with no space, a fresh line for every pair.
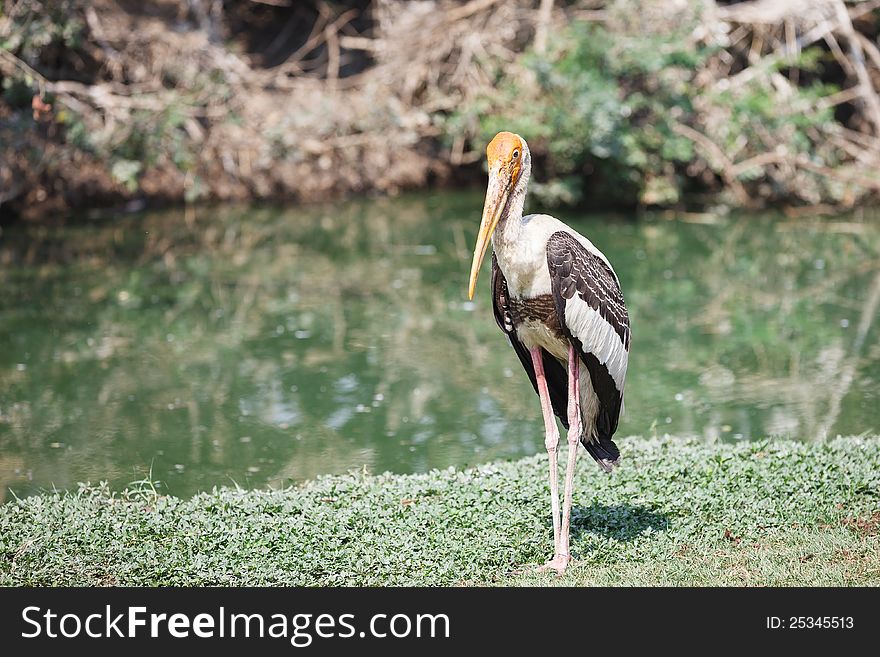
676,512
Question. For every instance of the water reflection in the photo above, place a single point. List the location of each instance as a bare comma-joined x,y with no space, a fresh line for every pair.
259,346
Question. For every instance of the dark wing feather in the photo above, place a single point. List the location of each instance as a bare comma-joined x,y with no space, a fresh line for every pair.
557,378
579,276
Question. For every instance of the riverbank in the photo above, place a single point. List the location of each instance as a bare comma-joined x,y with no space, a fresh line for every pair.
677,512
630,103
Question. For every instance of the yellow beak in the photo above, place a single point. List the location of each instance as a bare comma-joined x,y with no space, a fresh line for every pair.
496,199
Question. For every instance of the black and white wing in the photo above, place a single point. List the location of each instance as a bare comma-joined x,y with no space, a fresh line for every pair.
554,371
594,318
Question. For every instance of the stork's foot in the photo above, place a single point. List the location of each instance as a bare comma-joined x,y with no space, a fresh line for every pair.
558,563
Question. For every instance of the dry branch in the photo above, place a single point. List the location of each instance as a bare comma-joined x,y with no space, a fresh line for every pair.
714,153
544,15
869,94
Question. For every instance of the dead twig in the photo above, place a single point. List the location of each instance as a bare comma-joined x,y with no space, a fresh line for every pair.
838,174
869,94
543,25
469,9
722,163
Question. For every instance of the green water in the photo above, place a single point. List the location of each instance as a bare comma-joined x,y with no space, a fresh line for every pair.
263,346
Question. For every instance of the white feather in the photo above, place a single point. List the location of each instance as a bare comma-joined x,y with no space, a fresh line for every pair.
597,337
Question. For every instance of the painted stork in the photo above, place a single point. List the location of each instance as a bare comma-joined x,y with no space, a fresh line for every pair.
558,300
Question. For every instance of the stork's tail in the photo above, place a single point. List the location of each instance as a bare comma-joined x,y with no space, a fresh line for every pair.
603,450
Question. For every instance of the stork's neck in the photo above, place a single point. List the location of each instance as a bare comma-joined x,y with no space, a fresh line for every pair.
510,224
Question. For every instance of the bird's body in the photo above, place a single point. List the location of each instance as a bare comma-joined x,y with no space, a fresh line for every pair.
523,298
558,300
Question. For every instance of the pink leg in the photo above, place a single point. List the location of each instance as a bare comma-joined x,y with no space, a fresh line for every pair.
551,441
574,436
563,555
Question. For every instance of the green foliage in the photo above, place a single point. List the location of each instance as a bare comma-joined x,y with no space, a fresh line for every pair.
602,102
676,512
603,106
39,26
45,36
151,137
148,138
126,172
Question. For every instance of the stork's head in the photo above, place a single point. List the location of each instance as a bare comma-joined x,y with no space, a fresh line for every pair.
508,156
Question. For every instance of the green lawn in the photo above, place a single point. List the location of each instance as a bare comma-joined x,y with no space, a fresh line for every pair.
676,512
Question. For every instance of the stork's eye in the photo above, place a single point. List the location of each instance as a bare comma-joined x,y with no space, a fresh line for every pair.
516,154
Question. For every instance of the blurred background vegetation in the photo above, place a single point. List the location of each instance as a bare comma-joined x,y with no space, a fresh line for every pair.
671,103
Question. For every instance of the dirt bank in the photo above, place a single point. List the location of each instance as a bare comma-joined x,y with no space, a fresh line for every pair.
109,102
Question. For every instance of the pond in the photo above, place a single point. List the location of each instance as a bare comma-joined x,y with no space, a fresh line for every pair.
263,346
